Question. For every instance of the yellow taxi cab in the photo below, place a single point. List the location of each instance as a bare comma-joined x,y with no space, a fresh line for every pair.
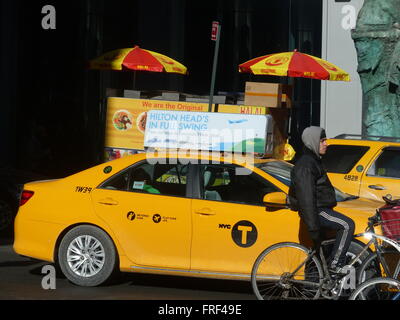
367,167
212,219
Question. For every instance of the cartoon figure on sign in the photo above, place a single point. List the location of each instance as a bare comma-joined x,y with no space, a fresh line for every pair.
122,120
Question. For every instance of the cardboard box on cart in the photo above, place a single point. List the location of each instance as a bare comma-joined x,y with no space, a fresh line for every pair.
271,95
276,98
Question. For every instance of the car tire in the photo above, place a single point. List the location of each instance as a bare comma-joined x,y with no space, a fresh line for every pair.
87,256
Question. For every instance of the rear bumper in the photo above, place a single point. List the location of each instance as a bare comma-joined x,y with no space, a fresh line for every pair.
36,239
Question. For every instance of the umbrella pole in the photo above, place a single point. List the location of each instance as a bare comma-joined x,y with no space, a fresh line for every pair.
134,80
311,103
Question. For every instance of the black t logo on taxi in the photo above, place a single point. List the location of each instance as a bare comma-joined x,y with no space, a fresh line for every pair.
244,234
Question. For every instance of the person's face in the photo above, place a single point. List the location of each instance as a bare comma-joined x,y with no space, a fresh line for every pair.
323,146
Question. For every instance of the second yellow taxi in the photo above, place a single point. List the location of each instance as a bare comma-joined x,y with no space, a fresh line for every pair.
364,166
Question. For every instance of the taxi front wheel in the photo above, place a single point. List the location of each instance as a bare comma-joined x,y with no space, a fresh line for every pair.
87,256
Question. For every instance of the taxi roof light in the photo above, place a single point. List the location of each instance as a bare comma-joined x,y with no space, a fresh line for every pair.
25,196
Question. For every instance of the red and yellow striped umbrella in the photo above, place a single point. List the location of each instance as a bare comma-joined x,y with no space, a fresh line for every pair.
137,59
294,64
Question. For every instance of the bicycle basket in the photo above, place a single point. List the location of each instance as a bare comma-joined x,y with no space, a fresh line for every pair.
390,220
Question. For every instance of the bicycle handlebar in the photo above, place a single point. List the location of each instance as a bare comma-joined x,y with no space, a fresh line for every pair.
373,221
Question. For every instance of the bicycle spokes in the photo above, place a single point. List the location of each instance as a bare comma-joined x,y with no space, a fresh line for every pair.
286,271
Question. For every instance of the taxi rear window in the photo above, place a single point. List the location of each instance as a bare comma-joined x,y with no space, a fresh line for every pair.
341,159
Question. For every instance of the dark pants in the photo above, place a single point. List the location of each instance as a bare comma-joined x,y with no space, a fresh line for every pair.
344,226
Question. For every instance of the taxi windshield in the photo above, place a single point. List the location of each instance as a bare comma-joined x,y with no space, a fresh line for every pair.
280,170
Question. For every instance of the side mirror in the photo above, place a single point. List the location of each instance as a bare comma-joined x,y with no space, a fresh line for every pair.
275,200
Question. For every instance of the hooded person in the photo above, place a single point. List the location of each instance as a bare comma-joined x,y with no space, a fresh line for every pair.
313,196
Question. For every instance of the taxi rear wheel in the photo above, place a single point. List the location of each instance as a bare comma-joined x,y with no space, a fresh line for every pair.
87,256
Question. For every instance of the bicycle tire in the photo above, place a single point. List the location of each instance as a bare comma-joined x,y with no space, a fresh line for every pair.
377,289
370,268
354,249
269,276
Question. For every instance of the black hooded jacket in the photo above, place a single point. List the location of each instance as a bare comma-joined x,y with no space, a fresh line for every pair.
310,189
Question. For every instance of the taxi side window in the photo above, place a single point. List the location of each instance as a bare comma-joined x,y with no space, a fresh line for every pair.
124,181
387,164
164,179
177,175
118,182
342,158
141,179
222,183
171,179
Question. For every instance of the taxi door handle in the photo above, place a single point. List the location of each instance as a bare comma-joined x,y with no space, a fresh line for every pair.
205,212
108,202
377,187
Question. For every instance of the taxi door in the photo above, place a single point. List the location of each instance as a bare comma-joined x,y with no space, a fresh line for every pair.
383,175
345,165
154,229
231,226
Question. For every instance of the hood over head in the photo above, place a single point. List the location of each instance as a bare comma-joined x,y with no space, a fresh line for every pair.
311,138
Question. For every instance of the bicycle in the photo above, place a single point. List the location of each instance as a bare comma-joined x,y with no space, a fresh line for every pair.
291,271
377,289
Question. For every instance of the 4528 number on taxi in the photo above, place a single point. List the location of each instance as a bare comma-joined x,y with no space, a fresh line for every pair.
350,177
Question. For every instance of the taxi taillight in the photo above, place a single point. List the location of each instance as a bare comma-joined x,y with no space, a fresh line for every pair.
25,196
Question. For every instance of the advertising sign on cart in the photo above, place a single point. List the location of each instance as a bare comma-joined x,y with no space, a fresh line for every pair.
223,132
126,120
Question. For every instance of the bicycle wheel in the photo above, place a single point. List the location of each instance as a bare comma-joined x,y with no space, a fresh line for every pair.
377,289
286,271
371,268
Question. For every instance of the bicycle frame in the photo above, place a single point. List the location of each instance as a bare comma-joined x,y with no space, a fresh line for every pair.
370,234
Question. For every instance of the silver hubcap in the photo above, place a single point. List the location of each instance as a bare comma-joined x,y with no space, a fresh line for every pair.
85,256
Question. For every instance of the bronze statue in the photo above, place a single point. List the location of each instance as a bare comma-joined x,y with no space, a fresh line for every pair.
377,41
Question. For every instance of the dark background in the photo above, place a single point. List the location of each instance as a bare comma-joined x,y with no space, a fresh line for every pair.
53,107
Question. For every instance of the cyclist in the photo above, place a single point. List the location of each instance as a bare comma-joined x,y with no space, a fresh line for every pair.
312,194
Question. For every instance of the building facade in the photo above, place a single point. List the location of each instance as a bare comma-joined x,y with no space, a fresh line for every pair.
53,108
341,102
